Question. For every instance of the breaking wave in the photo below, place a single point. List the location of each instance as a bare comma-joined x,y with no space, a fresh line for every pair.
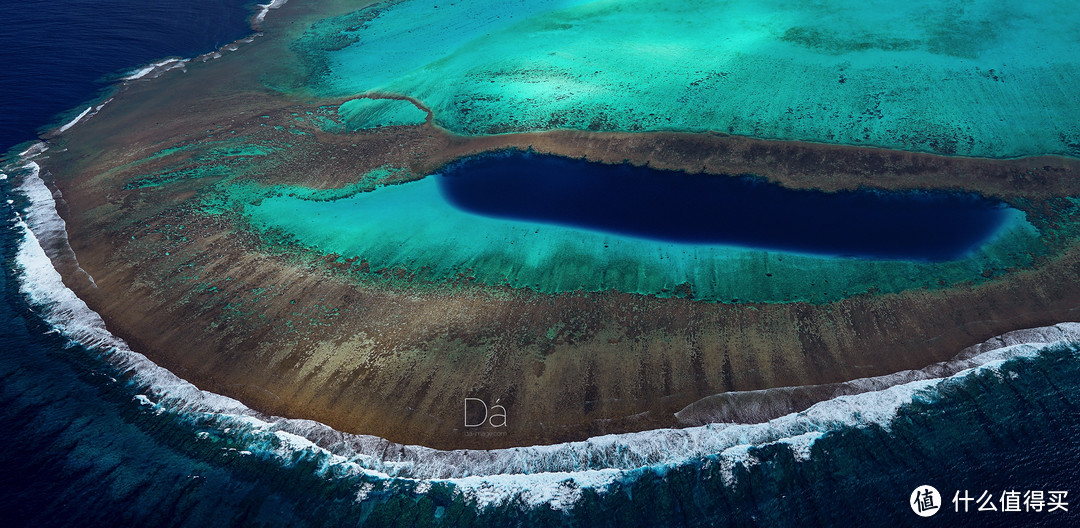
264,9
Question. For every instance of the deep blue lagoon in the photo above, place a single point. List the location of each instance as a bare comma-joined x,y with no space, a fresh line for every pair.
673,206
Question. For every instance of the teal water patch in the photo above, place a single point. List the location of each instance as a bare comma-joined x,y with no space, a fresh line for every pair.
964,78
360,114
394,37
411,226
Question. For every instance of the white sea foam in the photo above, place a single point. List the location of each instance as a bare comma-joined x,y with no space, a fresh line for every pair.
33,151
264,9
801,444
546,474
156,68
738,455
78,118
90,111
559,489
45,220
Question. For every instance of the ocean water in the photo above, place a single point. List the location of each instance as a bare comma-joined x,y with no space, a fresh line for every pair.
59,55
97,436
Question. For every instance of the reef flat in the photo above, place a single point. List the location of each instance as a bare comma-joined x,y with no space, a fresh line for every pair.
965,78
186,196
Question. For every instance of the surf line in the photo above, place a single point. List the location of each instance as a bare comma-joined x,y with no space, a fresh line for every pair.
90,111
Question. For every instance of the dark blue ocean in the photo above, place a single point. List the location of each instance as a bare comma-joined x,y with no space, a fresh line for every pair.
80,449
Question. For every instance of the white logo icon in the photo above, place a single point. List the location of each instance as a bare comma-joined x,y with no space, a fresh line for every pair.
925,501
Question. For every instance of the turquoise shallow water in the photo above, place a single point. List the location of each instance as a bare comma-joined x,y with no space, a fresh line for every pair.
401,36
359,114
413,226
968,78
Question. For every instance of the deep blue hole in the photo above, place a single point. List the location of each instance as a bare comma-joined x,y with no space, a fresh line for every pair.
674,206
